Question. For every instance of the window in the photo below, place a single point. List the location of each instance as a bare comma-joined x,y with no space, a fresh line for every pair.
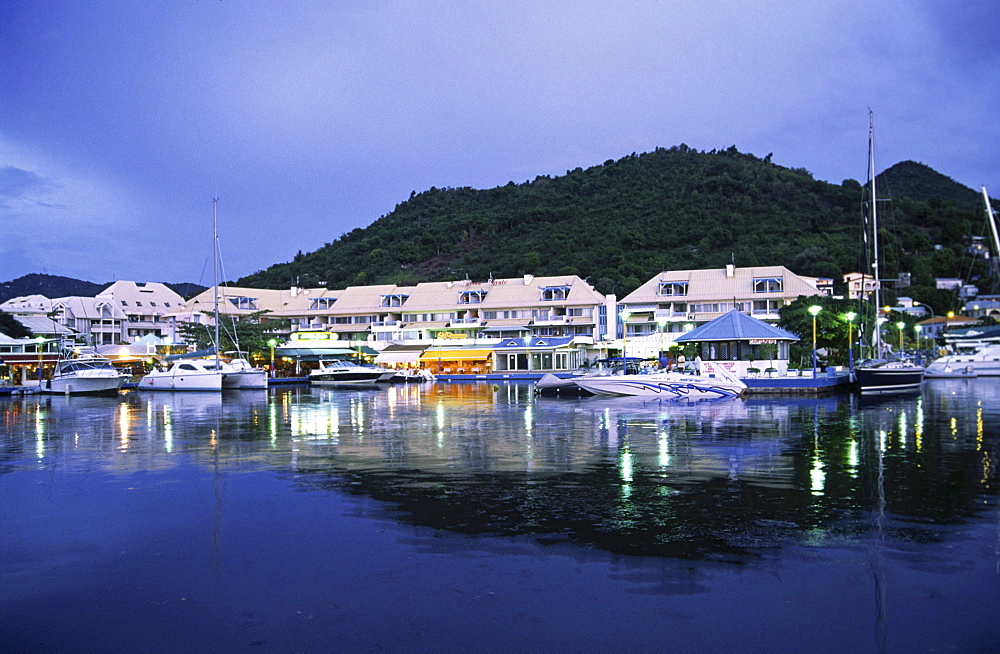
152,304
768,285
393,300
673,288
321,303
249,303
550,293
472,297
124,303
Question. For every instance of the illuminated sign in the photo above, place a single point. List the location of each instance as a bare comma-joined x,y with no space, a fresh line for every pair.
313,336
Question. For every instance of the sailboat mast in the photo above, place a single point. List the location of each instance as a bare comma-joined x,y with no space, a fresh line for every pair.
993,223
215,274
877,341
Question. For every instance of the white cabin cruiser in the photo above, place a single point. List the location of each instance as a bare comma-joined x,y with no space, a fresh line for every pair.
86,374
346,372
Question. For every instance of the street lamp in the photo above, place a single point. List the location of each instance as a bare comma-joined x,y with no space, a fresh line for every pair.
899,326
662,322
38,348
814,310
625,313
271,343
850,315
917,329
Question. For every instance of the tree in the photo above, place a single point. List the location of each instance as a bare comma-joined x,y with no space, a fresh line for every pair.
248,333
831,327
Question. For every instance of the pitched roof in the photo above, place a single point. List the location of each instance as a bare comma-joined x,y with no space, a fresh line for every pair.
735,326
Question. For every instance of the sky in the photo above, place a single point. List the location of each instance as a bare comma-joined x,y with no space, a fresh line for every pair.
120,121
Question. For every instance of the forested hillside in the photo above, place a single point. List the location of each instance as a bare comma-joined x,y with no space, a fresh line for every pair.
621,222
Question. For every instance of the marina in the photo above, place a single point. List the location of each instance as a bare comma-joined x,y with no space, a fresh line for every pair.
481,516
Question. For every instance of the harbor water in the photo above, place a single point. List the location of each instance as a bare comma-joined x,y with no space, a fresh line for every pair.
480,517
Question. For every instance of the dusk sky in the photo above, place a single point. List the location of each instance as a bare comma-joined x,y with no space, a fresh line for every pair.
121,120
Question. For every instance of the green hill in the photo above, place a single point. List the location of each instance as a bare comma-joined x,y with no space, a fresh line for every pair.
623,221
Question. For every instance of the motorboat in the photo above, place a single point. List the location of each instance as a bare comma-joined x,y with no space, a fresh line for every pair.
565,383
85,374
716,383
185,375
984,362
946,371
240,373
411,375
346,372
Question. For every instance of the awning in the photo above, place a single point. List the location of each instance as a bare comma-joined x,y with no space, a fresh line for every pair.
456,355
411,356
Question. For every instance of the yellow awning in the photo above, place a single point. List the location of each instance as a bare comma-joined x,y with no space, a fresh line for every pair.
456,355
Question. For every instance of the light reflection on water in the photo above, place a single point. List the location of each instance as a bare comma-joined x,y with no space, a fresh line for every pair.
258,509
623,474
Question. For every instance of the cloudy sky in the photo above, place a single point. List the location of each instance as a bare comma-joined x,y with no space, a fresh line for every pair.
121,120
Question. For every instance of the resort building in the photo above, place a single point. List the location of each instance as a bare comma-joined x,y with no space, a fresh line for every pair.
456,327
674,302
122,313
146,308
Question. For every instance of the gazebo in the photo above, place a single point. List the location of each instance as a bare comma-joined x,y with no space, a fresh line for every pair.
740,343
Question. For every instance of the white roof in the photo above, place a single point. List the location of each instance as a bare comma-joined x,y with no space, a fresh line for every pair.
716,285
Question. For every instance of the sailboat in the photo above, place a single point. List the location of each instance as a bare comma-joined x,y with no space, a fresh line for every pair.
206,374
882,374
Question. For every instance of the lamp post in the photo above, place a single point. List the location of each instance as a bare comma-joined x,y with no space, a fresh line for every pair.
814,310
625,313
39,340
917,329
850,315
899,326
662,322
271,343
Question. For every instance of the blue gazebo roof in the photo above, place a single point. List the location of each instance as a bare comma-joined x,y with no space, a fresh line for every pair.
735,326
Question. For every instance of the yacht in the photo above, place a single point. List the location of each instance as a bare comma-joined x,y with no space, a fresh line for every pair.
346,372
85,374
716,384
984,362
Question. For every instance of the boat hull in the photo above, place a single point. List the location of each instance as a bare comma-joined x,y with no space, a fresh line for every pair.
669,386
245,380
878,379
84,385
350,378
181,382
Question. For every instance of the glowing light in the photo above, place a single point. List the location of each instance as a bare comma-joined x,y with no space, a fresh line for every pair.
123,422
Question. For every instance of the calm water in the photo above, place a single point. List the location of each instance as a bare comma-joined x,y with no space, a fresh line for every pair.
477,517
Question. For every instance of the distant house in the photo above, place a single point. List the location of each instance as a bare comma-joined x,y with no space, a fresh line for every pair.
860,286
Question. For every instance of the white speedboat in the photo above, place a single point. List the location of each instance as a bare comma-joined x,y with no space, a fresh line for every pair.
185,375
86,374
345,372
717,384
240,373
984,362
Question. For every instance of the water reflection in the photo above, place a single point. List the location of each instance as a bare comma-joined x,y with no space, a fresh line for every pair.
718,480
